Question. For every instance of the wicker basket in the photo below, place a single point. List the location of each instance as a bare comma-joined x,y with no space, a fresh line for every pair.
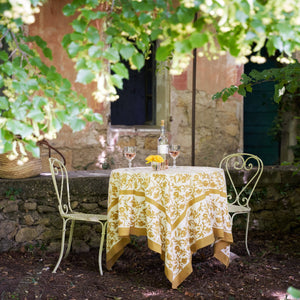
11,170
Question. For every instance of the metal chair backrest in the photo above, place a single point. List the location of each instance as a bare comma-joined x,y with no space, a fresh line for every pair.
250,167
61,184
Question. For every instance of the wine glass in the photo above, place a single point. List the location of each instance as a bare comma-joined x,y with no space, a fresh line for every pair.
130,153
174,151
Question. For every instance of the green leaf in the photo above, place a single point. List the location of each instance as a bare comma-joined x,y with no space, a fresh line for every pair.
32,84
19,86
66,40
141,45
48,53
242,91
3,56
258,25
234,48
1,81
95,51
7,68
183,46
57,124
198,40
127,51
93,15
93,35
250,35
111,31
241,16
121,70
66,85
112,55
39,101
81,63
270,47
20,73
61,115
3,141
36,62
76,36
249,89
117,81
95,65
36,115
18,127
185,15
33,148
74,48
77,124
4,104
294,292
85,76
155,33
69,10
94,117
277,42
49,93
163,52
19,111
92,3
42,44
286,31
79,25
25,48
144,18
138,60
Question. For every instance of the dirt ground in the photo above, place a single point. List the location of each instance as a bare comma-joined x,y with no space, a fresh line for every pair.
273,266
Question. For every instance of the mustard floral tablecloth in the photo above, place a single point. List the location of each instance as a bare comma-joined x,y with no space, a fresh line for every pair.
180,210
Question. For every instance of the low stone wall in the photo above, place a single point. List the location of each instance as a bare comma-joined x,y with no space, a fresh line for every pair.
29,216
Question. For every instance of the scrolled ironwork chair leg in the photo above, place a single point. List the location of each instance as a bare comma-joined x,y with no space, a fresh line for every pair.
246,234
70,238
63,235
103,226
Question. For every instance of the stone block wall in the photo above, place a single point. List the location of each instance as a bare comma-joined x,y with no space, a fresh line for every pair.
218,125
29,216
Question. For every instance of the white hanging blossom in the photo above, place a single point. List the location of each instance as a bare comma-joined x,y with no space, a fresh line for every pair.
105,89
188,3
179,63
258,59
21,9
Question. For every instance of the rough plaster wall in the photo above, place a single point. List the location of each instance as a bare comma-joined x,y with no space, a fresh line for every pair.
218,124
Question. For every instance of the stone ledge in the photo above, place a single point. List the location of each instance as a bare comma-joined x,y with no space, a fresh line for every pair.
95,183
81,182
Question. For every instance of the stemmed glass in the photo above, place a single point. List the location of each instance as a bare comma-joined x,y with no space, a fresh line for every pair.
129,153
174,151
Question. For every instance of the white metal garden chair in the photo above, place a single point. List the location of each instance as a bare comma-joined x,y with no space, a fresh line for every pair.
250,168
61,184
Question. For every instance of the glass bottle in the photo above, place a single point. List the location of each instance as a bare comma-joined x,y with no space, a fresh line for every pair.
163,144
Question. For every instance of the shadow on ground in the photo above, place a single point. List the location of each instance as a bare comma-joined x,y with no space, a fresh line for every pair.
139,273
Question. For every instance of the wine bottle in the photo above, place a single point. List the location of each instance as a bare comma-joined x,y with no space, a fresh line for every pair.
162,144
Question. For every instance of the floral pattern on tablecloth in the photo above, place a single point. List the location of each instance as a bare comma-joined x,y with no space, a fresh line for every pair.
179,210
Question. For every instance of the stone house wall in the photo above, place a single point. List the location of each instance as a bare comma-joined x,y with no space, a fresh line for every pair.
29,215
218,125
